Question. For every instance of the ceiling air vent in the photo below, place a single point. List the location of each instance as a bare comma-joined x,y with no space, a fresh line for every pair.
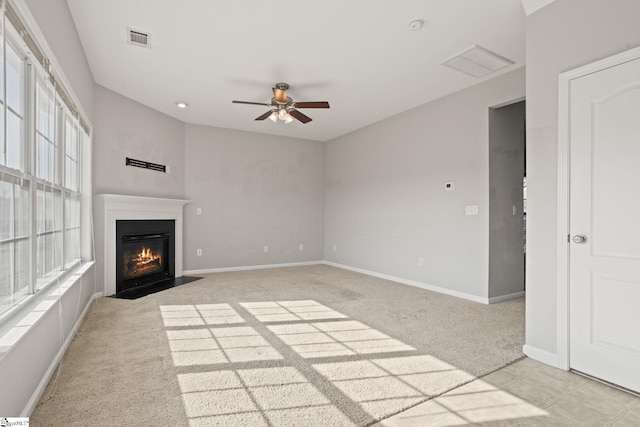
477,61
137,38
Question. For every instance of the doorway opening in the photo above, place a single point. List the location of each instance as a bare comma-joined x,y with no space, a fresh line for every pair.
507,201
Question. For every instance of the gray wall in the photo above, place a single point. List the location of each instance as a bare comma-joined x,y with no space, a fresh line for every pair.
254,190
506,170
385,198
124,128
561,36
55,22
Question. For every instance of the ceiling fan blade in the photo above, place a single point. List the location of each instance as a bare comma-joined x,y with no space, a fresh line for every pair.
301,117
280,95
265,115
319,104
250,103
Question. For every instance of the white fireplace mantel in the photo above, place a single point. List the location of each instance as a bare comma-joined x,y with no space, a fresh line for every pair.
113,207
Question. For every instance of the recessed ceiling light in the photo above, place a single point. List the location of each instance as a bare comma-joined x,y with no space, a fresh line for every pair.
416,24
182,104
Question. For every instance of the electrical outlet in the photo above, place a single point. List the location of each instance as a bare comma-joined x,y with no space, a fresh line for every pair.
198,211
449,186
266,249
471,210
420,261
301,247
515,210
198,252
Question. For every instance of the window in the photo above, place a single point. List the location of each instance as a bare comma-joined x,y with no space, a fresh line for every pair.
46,148
72,195
48,233
71,228
40,163
14,66
15,276
70,154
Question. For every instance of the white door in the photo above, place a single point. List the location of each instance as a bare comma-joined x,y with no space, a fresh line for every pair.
604,269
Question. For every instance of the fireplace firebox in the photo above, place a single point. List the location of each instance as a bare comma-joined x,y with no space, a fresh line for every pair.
145,252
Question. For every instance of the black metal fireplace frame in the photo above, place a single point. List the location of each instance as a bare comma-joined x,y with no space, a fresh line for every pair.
141,229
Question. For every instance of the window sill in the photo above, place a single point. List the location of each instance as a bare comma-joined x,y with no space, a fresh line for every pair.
58,275
16,322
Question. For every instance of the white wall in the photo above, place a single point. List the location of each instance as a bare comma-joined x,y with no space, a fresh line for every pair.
385,198
33,340
254,190
561,36
125,128
506,171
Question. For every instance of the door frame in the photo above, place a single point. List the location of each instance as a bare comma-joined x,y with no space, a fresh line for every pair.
564,170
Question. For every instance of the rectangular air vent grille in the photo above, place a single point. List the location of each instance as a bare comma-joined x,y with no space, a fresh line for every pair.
145,165
477,61
137,38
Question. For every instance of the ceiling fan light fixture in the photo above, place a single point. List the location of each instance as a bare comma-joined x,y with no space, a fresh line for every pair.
283,108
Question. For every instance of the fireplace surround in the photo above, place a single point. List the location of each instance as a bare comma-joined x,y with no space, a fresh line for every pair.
111,208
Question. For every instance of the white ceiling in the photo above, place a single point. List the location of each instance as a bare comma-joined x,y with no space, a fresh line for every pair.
358,54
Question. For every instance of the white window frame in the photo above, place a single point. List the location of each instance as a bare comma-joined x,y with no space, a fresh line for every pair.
32,75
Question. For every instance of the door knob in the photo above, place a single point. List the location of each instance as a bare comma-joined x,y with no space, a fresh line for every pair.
579,238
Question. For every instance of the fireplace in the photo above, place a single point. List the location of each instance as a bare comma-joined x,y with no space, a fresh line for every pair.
145,252
112,208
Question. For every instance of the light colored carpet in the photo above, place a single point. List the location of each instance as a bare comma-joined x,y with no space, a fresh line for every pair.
296,346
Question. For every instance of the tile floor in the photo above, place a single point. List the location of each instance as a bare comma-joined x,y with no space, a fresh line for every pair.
526,393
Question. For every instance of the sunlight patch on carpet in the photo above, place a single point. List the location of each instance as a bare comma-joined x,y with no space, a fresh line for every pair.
234,397
303,363
475,403
199,314
337,338
219,345
283,311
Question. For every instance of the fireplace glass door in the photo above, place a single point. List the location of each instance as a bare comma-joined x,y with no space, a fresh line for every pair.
144,256
145,252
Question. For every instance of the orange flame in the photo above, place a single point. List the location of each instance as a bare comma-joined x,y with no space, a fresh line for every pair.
146,255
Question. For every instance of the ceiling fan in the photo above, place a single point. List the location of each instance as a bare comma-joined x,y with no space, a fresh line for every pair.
284,108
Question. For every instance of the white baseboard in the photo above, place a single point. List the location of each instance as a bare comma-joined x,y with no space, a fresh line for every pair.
501,298
541,356
249,267
417,284
42,385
